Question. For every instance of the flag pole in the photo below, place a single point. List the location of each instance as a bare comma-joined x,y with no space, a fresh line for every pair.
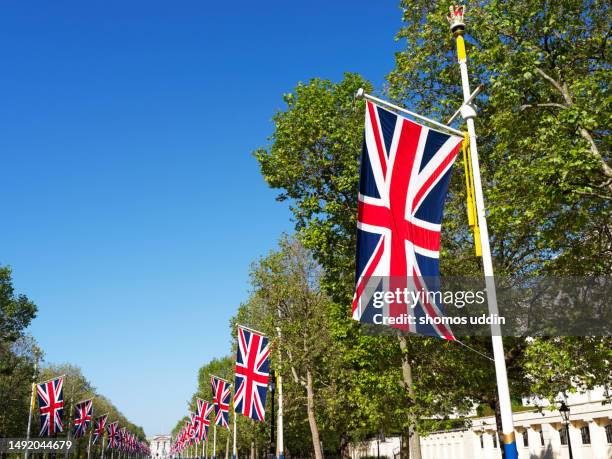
89,446
103,438
457,25
214,441
32,398
234,446
69,425
280,446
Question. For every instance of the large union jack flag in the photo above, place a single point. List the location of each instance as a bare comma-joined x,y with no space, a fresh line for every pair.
113,434
51,404
221,399
252,372
99,426
405,172
82,417
202,420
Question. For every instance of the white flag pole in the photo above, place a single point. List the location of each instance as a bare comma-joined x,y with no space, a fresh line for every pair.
214,441
457,26
280,446
32,398
234,446
30,417
103,438
89,446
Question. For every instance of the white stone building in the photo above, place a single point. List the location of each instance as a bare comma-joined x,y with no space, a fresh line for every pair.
538,435
160,446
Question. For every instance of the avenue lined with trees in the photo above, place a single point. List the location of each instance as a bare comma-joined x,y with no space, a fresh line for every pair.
543,124
545,161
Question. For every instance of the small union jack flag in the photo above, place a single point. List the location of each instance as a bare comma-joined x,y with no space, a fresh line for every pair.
252,373
202,421
405,172
82,417
51,404
123,433
99,427
113,434
221,398
191,428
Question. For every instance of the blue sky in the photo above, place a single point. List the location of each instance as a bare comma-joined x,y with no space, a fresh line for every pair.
132,206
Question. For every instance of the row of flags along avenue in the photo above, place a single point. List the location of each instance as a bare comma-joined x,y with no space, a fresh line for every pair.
51,404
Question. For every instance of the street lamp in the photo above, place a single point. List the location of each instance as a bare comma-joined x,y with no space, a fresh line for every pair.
565,414
272,385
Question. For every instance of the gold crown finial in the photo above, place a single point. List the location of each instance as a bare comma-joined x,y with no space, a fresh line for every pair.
455,18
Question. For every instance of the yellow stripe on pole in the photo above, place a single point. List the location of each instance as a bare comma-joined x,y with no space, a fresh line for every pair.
471,203
461,54
33,400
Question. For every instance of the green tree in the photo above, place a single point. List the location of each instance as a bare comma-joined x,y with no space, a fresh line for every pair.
544,152
16,374
542,123
16,311
17,357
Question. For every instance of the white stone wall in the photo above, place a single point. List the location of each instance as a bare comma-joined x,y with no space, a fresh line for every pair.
543,437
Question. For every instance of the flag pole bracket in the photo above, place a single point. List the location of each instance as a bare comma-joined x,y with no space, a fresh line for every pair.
467,109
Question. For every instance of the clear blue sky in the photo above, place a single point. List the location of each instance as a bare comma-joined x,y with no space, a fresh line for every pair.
132,206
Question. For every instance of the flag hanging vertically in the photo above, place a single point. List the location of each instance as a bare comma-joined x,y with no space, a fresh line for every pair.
51,404
99,428
202,420
221,399
405,172
82,417
252,373
113,434
191,428
123,438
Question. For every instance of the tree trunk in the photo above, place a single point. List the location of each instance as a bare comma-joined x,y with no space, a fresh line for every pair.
252,450
227,446
314,430
498,423
411,446
344,448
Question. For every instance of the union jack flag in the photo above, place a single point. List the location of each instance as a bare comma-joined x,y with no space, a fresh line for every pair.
123,437
191,429
405,172
113,435
204,409
99,426
221,398
252,371
82,417
51,403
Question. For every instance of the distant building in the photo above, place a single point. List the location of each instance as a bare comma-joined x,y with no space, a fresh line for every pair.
538,435
160,446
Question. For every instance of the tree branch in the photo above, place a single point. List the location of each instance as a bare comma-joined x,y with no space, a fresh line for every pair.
547,104
586,135
554,82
